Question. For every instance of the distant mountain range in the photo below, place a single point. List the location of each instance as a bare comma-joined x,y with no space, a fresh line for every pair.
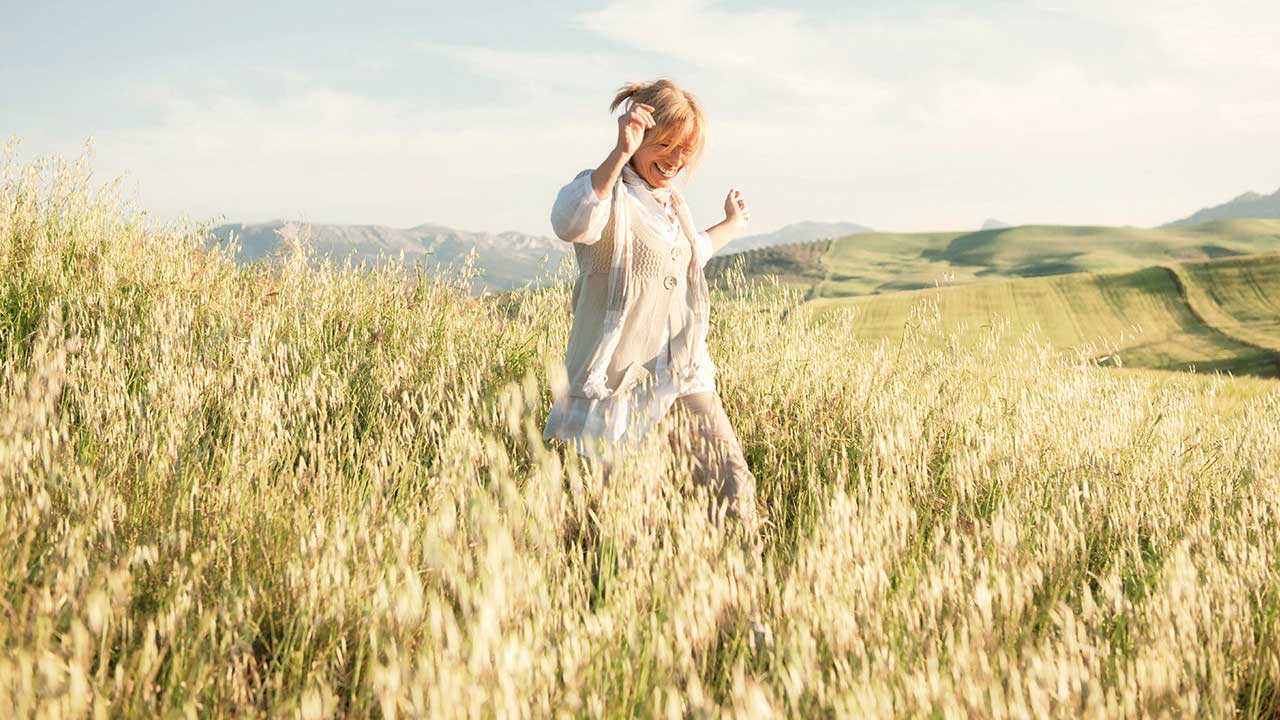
507,260
1248,205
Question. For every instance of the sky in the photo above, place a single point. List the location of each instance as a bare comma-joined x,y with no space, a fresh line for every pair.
912,115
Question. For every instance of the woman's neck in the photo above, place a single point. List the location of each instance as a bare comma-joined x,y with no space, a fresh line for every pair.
661,195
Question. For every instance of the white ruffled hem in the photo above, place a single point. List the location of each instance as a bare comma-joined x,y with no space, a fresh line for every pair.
592,425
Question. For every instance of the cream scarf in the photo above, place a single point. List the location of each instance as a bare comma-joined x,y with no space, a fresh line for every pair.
622,294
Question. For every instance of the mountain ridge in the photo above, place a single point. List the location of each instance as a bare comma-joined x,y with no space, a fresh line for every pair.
506,260
1245,205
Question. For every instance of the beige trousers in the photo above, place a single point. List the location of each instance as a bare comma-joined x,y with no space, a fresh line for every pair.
703,427
700,428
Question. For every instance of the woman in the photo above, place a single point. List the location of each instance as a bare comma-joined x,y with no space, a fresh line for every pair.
637,348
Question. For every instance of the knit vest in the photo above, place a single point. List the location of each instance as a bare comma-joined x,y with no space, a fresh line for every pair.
659,270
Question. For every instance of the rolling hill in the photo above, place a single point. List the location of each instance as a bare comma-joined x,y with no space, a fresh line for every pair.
875,262
1205,297
1213,315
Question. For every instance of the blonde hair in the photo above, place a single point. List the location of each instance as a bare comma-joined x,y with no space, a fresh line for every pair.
677,114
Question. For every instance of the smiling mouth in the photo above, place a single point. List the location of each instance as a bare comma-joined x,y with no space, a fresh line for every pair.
666,171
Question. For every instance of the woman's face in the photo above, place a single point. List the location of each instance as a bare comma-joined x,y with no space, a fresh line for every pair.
659,162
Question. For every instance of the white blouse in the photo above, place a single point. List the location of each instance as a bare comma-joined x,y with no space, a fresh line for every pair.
579,216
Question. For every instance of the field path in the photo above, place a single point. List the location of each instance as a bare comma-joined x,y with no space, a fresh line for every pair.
1212,316
1239,296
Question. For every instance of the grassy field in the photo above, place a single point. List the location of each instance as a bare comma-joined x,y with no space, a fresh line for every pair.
290,490
1217,395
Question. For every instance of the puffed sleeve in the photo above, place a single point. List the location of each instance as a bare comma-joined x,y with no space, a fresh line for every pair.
578,216
705,248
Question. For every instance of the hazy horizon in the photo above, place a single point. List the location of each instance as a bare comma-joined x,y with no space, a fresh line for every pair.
921,117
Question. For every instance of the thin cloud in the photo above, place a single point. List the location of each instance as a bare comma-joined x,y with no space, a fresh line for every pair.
1087,112
1051,112
780,49
535,71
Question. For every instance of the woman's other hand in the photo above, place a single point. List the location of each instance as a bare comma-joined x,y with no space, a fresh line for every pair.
632,125
736,210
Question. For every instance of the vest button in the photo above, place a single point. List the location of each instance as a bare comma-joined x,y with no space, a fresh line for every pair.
675,253
669,282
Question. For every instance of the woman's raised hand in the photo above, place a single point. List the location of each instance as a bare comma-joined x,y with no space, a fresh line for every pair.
631,128
736,209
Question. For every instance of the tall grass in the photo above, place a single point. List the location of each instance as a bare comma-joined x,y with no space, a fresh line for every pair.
302,489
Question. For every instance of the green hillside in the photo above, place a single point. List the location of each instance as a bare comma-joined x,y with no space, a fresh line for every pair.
798,265
880,262
865,264
872,263
1215,315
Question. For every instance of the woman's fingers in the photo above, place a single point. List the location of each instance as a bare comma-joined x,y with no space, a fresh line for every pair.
639,115
641,118
735,205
